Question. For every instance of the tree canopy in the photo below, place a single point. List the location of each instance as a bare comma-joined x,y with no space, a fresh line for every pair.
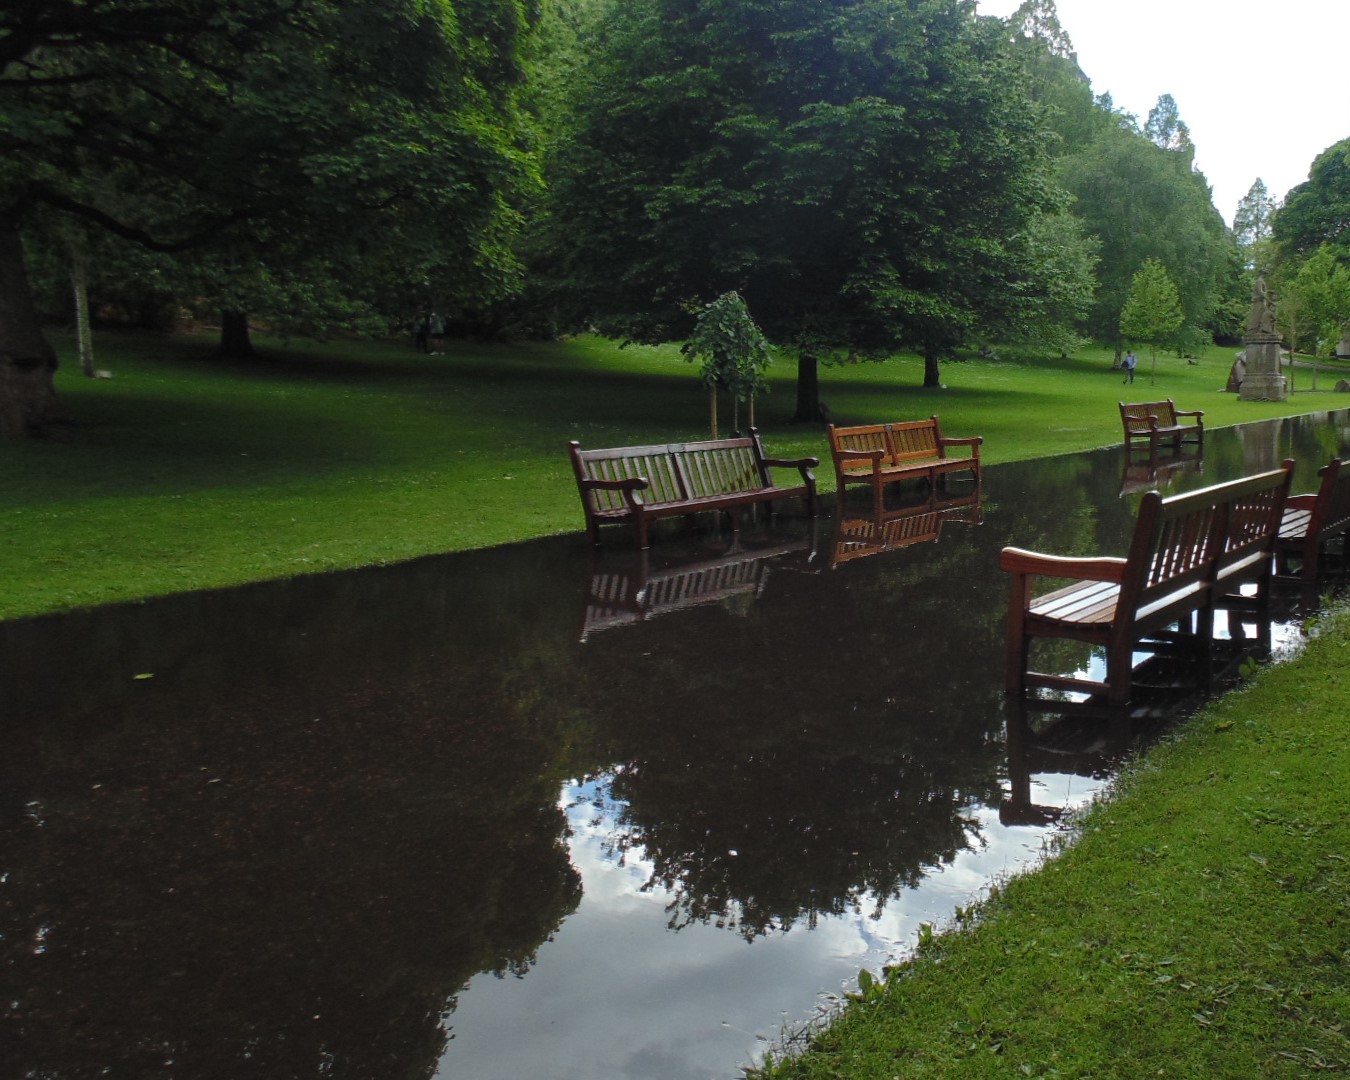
1317,211
860,170
297,147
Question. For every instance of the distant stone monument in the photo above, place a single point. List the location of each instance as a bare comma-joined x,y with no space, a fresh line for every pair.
1261,355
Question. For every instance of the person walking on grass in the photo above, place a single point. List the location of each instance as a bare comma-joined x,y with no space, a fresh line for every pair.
1128,366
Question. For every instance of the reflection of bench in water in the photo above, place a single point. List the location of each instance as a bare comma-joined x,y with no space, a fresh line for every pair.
1158,474
859,535
625,592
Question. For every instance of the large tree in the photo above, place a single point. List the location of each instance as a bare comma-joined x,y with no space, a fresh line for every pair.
1141,201
861,171
281,141
1317,211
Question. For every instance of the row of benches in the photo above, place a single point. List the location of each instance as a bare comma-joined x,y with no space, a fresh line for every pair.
1191,554
640,484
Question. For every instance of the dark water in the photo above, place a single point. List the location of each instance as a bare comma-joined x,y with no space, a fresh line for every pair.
528,812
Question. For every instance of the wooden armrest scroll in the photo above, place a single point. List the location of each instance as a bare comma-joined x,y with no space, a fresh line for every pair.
1099,568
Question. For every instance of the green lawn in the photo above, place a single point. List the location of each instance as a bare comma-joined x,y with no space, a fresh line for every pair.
183,473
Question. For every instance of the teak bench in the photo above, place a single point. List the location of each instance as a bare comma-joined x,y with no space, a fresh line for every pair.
1190,554
1310,521
1156,422
639,484
880,454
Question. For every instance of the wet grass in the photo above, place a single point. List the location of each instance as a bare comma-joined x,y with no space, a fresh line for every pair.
1199,928
183,473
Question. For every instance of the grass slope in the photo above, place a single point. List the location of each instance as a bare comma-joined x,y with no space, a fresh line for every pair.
183,473
1199,928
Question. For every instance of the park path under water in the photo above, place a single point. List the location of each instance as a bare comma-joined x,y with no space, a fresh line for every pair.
533,811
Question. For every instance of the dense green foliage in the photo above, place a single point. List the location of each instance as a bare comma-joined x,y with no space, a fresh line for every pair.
309,161
1317,211
862,171
868,174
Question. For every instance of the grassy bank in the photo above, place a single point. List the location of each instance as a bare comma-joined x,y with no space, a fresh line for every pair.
182,473
1200,927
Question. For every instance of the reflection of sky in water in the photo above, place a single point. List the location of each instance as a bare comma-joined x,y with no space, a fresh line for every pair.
617,994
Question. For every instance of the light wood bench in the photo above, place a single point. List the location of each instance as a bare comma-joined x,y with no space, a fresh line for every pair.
881,454
1310,521
640,484
1190,554
1157,422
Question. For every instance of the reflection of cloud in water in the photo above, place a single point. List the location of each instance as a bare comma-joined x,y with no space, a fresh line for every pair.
701,1000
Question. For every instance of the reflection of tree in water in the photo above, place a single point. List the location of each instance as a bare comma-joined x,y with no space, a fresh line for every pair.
797,789
292,875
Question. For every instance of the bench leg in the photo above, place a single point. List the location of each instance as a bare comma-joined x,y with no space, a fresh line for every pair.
1119,669
1018,643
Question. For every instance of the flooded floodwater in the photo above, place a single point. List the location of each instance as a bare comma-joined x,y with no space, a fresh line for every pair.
535,811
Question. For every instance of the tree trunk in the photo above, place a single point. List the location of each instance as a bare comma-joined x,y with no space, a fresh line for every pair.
932,374
27,360
808,388
712,410
84,337
234,340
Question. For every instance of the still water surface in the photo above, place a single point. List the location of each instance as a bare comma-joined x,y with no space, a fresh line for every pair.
533,812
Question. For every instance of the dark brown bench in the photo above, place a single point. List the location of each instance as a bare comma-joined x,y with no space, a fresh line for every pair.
1190,554
639,484
881,454
1158,422
1310,521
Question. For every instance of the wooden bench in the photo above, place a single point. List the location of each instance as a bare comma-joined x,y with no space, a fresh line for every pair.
1190,554
1310,521
881,454
639,484
1157,422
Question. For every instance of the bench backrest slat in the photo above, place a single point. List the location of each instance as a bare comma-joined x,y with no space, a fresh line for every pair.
653,463
860,439
1137,415
915,439
1187,538
1332,512
713,472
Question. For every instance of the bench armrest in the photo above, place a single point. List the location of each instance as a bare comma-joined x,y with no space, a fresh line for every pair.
628,487
634,483
1197,413
874,456
1028,563
973,441
793,463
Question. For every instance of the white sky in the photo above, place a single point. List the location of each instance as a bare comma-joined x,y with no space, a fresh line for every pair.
1263,87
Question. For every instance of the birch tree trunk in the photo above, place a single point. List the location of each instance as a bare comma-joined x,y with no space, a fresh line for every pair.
79,283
